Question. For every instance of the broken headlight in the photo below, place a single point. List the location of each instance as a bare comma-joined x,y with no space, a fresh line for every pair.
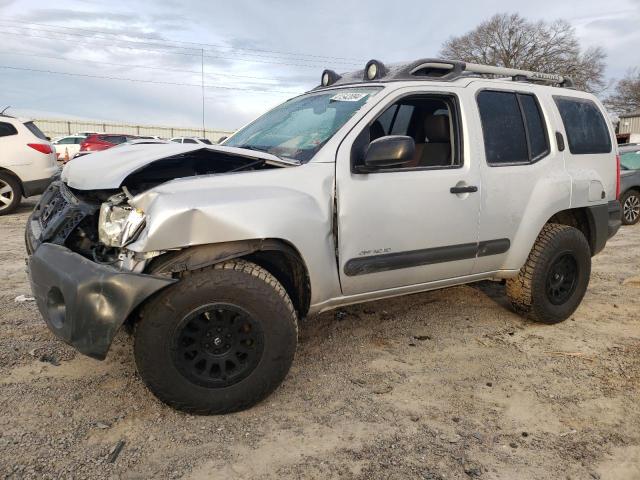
119,224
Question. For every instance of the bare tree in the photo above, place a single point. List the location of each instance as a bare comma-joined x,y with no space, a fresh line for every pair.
626,96
509,40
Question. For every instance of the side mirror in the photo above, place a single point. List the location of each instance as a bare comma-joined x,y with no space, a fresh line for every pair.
389,151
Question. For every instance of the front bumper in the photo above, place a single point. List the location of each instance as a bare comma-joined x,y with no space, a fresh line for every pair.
85,303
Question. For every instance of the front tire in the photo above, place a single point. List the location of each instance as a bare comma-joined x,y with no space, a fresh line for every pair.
219,341
10,194
553,281
630,207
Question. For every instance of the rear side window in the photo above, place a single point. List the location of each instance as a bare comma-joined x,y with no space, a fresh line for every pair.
35,130
189,140
513,128
586,128
7,129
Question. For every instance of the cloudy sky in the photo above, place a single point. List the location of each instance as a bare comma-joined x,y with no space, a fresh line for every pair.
54,55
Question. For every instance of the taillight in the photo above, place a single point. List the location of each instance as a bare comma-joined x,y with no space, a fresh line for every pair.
41,147
617,177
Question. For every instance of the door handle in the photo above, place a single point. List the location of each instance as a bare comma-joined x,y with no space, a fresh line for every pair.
467,189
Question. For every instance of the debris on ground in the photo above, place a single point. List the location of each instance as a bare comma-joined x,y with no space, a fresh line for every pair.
115,451
23,299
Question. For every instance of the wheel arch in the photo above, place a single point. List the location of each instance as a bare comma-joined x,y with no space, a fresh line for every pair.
277,256
583,219
14,175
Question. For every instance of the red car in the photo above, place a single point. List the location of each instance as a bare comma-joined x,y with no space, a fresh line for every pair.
102,141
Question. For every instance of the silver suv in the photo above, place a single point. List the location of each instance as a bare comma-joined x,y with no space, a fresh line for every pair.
377,183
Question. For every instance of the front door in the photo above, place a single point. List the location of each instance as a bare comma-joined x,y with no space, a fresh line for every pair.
412,225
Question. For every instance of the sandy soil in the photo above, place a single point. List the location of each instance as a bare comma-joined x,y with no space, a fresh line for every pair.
442,385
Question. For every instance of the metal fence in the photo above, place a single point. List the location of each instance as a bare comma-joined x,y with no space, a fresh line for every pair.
59,128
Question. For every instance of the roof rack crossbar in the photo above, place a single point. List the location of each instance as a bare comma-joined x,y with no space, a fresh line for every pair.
517,73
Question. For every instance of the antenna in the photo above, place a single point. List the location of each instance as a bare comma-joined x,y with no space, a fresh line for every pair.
5,109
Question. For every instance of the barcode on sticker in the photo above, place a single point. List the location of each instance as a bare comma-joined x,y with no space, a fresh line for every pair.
348,97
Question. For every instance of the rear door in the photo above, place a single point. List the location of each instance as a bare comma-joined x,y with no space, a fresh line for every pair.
522,168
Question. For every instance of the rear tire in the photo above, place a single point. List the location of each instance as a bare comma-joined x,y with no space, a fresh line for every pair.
220,340
553,281
630,202
10,194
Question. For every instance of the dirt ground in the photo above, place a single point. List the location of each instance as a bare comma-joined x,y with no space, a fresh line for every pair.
441,385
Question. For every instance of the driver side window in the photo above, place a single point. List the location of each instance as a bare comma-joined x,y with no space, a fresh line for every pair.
431,121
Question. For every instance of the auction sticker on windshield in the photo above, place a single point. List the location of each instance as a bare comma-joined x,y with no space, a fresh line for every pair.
348,97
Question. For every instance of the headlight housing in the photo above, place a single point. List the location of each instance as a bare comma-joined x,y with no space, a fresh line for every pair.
119,225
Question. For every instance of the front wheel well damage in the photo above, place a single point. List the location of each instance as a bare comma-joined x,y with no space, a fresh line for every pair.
276,256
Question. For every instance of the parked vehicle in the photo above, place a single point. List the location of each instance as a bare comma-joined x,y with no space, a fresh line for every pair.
199,140
87,133
67,147
103,141
630,185
27,162
377,183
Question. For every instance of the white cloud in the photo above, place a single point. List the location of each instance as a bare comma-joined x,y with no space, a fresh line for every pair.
244,39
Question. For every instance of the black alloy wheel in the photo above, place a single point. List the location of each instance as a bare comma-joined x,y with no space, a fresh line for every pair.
562,279
218,345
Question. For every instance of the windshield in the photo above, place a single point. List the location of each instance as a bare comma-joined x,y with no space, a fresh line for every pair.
300,127
630,160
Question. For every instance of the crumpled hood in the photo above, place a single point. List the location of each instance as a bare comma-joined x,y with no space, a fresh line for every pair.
109,168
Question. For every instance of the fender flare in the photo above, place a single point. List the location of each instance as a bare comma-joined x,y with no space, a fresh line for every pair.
297,284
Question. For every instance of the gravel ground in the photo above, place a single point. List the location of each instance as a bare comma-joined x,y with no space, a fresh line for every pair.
441,385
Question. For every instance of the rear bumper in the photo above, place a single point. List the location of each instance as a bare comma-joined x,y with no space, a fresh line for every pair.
85,303
614,217
35,187
604,221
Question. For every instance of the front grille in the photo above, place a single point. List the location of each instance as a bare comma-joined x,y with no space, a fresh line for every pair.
57,214
52,206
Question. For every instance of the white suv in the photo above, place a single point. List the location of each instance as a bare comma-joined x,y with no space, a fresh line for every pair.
27,162
378,183
199,140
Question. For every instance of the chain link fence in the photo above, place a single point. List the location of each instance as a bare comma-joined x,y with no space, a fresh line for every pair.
59,128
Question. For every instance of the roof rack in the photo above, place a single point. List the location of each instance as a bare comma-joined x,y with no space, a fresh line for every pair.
437,69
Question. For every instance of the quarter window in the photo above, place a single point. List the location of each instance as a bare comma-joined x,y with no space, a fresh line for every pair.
513,128
587,131
35,130
7,129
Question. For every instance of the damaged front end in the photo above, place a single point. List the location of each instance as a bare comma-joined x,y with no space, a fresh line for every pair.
85,280
85,288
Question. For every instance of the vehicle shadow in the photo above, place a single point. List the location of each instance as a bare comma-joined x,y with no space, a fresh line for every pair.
495,291
26,206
